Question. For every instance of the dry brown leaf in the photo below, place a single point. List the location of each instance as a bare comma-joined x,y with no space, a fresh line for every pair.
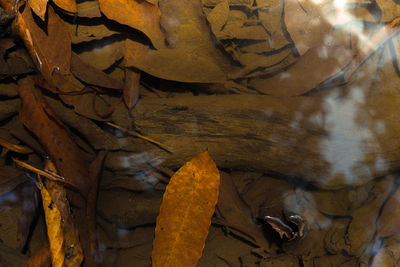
185,214
67,5
131,87
39,7
137,14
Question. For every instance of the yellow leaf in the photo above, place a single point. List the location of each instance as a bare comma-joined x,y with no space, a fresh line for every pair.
185,213
54,229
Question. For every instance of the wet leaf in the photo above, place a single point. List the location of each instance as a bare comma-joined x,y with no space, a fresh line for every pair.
89,9
10,178
40,258
390,9
50,49
91,75
301,77
307,22
138,14
172,64
53,134
185,213
131,87
235,214
16,148
98,138
71,242
378,39
84,33
103,53
54,228
39,7
270,15
218,16
67,5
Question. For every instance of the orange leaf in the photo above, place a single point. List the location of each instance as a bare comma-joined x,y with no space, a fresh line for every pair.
67,5
185,213
54,228
39,7
137,14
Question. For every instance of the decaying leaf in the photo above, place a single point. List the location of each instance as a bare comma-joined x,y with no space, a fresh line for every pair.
384,34
234,213
67,5
89,9
92,75
307,22
16,148
109,50
390,9
138,14
39,7
54,228
185,213
303,76
50,49
172,64
53,135
81,32
40,258
131,87
70,234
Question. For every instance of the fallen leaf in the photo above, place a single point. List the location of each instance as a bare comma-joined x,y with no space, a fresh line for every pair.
67,5
301,77
54,228
40,258
131,87
218,16
234,213
53,135
172,64
384,34
390,9
85,32
39,7
185,214
91,75
137,14
10,178
89,9
71,241
307,22
16,148
101,54
50,49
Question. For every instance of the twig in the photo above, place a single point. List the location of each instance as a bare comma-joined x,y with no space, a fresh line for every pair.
140,136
